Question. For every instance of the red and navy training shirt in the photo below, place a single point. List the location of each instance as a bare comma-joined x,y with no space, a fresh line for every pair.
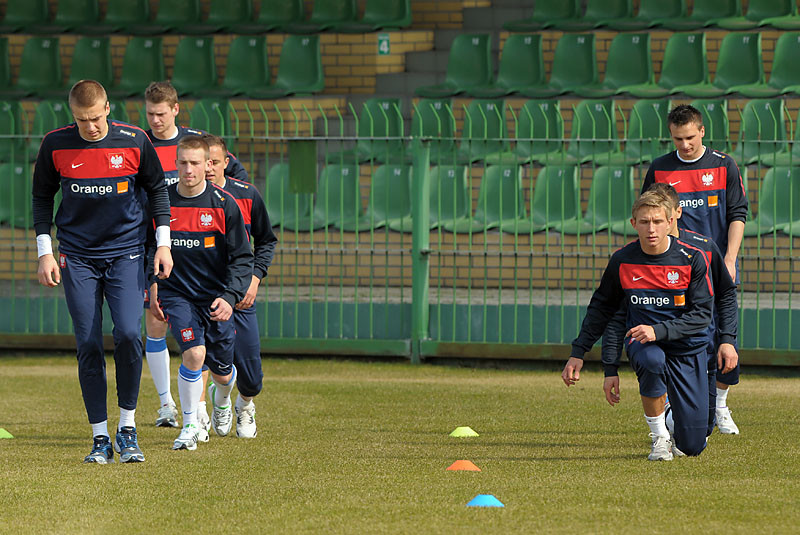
256,221
106,186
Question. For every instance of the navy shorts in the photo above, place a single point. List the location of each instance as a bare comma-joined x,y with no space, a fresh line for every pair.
191,325
685,380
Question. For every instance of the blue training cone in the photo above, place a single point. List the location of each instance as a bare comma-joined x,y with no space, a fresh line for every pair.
485,500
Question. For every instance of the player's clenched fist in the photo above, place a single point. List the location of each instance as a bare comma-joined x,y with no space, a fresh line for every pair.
572,371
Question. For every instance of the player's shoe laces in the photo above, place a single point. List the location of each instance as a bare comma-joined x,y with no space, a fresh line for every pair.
102,452
661,450
725,423
167,416
187,440
246,421
127,446
221,417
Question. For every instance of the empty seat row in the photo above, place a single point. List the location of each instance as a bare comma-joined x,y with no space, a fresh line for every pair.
195,71
566,15
629,68
184,17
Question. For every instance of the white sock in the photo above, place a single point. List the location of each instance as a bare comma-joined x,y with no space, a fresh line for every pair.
126,418
158,362
100,429
657,425
241,404
190,386
222,396
201,407
722,398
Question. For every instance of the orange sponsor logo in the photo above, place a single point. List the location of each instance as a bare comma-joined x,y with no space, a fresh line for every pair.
208,242
680,300
713,200
122,187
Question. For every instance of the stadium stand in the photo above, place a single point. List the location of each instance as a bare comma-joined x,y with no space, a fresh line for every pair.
521,66
448,195
195,69
598,13
222,15
684,64
554,199
739,64
171,15
273,15
785,74
647,134
791,156
762,133
48,115
325,15
91,60
379,15
539,131
389,199
545,12
288,210
119,112
299,71
5,66
785,22
500,201
121,16
593,136
484,132
69,15
246,67
704,13
338,197
611,196
574,65
21,14
11,124
715,121
15,205
39,68
378,118
143,62
469,65
778,202
433,118
650,14
212,115
758,12
629,63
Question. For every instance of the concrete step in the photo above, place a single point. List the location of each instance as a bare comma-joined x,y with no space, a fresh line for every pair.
406,82
526,4
431,61
492,18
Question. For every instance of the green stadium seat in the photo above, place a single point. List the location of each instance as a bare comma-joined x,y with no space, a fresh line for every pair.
214,116
48,115
16,208
555,199
598,13
195,66
628,64
500,201
784,22
40,66
287,210
222,15
785,74
91,60
484,131
171,15
449,198
521,66
23,13
378,15
791,156
704,13
325,15
143,63
574,66
544,13
433,118
70,14
246,67
338,195
389,199
611,196
119,112
651,13
758,11
469,65
684,64
648,136
762,132
121,16
539,134
593,136
778,202
272,16
299,69
715,121
379,118
11,124
739,64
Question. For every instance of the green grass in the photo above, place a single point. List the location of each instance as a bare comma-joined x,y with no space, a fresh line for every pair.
346,447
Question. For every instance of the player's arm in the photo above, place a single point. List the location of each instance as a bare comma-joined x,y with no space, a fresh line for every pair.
264,242
736,202
46,183
727,308
604,303
239,268
699,302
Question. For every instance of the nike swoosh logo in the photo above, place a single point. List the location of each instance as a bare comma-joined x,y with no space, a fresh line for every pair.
674,183
76,166
134,256
637,278
173,219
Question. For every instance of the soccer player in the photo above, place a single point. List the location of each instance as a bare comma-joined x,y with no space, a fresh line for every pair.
162,108
213,269
102,168
714,204
668,292
722,352
247,348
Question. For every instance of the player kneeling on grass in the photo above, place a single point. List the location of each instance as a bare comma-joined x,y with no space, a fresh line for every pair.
668,291
214,265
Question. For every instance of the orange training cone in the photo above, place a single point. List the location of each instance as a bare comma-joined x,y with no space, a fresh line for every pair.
464,465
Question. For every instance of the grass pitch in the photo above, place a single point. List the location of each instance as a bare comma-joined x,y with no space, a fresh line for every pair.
347,447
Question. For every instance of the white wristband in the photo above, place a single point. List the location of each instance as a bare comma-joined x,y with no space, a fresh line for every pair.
162,236
44,244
